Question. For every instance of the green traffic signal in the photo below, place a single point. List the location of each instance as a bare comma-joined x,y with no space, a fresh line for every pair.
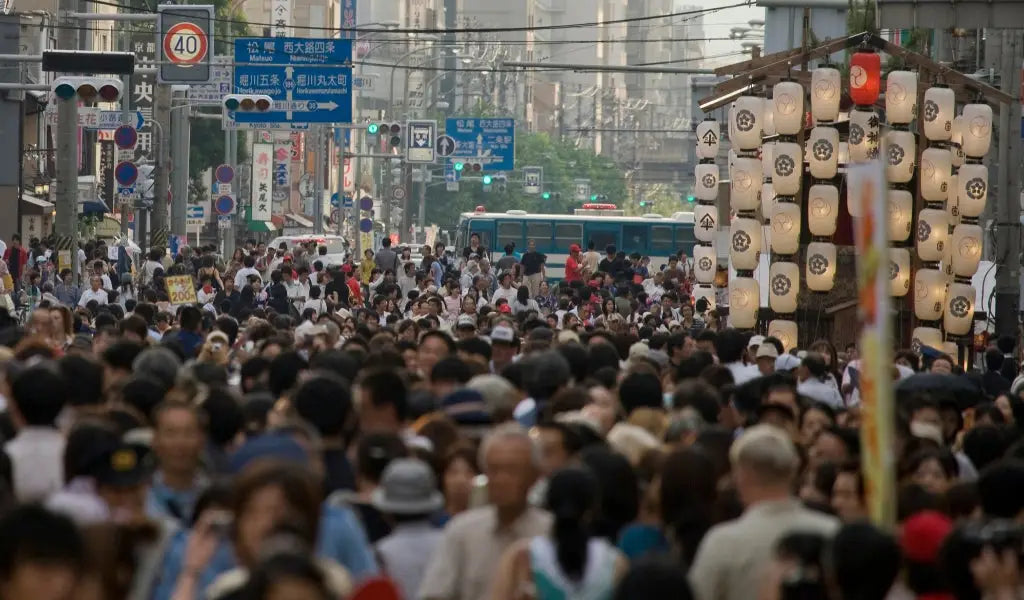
546,195
459,166
593,197
65,91
372,128
231,104
691,199
487,179
643,203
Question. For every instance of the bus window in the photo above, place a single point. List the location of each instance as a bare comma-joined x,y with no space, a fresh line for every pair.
661,240
685,239
539,232
603,238
485,229
510,232
633,236
567,234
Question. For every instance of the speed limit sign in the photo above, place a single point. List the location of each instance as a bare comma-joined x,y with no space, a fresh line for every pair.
184,36
185,44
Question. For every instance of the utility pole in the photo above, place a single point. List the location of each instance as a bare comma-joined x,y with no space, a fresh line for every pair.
161,158
180,126
423,196
318,181
126,117
67,150
230,158
1007,225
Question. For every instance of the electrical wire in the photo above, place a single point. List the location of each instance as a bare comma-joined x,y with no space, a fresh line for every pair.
474,30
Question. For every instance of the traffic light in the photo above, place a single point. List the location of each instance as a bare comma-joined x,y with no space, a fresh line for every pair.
501,182
372,128
248,103
691,198
468,167
488,179
545,196
643,203
88,89
459,166
389,132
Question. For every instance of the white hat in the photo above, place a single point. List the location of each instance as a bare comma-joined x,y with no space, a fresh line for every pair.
786,362
756,340
501,333
767,351
465,321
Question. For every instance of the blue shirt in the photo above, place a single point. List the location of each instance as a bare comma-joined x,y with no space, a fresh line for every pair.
164,501
341,538
190,342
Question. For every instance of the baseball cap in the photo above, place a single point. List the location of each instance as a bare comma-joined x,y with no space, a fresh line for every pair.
756,340
503,334
124,466
767,351
505,308
574,248
786,362
465,321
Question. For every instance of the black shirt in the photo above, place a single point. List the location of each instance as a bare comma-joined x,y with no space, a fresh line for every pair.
470,254
532,262
339,287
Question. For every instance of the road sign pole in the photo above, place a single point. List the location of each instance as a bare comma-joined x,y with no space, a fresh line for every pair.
161,179
179,158
126,110
67,179
423,197
231,159
318,182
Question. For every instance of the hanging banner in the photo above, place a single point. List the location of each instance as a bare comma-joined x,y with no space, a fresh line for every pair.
107,172
867,195
262,181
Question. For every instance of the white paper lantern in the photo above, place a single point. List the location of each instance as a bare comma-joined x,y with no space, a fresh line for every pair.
953,200
939,110
821,266
966,249
705,222
745,243
899,272
744,300
785,236
783,286
745,185
863,137
785,331
900,149
705,263
747,122
925,336
707,139
768,118
957,138
936,169
951,350
767,162
706,177
932,234
929,294
824,151
822,209
767,200
972,190
788,103
959,314
825,92
977,130
788,168
901,97
901,214
706,292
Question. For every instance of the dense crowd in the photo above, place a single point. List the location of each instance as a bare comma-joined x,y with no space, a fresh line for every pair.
462,430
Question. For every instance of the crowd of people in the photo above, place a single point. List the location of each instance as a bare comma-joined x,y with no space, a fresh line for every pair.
462,430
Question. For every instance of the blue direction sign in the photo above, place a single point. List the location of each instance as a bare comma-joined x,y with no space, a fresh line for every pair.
335,203
126,173
308,79
492,141
346,202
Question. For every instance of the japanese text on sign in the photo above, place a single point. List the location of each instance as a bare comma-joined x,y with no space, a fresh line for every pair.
262,181
181,289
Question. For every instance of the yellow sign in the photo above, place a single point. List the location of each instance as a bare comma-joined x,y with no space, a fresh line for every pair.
181,289
63,260
108,228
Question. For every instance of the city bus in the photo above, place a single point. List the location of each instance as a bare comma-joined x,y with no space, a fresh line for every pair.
651,235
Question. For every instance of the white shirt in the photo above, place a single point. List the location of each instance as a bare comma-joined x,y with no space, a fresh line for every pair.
100,296
148,269
242,276
742,373
319,305
37,457
509,294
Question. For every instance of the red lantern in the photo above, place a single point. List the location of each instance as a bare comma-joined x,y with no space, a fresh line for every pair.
865,77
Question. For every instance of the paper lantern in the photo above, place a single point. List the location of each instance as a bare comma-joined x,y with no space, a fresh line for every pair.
822,209
707,139
844,153
788,104
705,222
785,331
956,138
939,110
953,200
863,137
929,294
972,189
976,130
958,317
705,176
936,169
768,118
932,234
901,97
951,350
767,200
865,77
704,291
785,236
767,164
744,300
705,263
825,92
824,151
783,286
899,272
900,149
745,185
930,337
821,266
788,168
901,214
745,243
747,122
965,248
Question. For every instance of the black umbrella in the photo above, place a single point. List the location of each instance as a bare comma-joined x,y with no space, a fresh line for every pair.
966,392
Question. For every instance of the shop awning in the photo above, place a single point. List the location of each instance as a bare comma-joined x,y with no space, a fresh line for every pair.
30,199
93,207
301,220
262,226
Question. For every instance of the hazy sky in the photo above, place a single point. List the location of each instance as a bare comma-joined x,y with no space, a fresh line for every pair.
718,24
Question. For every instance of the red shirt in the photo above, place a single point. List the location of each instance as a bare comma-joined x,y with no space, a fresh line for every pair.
573,269
356,298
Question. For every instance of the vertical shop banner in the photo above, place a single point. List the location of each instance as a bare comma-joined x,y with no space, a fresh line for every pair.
144,48
107,172
262,181
281,16
348,19
866,192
